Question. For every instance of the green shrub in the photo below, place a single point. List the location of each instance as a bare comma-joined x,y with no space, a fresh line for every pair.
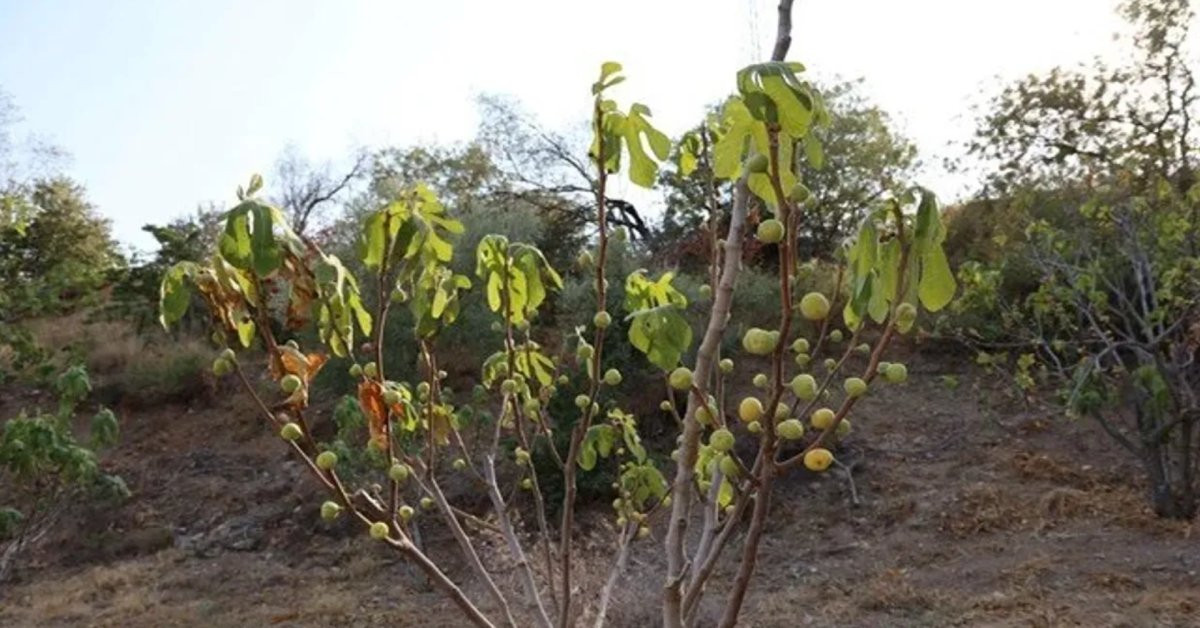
44,469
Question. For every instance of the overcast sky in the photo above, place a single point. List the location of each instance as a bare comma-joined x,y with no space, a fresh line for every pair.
166,104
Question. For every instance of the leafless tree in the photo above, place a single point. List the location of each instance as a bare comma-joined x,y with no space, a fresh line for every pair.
304,189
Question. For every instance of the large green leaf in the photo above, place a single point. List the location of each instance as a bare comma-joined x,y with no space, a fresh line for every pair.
174,295
937,281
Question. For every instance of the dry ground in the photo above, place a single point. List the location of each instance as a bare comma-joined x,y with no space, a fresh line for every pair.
969,514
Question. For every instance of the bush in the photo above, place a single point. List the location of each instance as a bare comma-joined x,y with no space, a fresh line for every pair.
45,470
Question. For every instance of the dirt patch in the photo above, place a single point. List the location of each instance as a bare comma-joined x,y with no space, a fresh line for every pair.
968,515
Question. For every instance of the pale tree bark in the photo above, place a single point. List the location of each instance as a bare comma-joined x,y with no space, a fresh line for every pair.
677,564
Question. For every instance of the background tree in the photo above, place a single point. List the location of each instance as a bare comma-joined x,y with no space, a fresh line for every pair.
304,190
1099,164
64,252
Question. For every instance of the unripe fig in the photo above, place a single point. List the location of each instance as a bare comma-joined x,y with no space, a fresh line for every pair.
406,512
750,409
800,345
643,532
427,503
770,231
822,418
855,386
758,163
398,472
843,428
726,365
527,484
818,459
290,383
399,295
584,260
371,370
508,387
782,411
791,429
729,467
754,427
681,378
582,401
706,415
863,348
799,193
222,367
804,386
906,315
356,370
290,432
665,406
705,291
459,464
423,389
326,460
602,320
229,355
721,440
814,306
759,341
830,364
379,530
802,359
563,380
612,377
330,510
896,373
392,397
761,380
835,335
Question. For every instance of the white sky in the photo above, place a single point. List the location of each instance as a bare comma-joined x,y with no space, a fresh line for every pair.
167,104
